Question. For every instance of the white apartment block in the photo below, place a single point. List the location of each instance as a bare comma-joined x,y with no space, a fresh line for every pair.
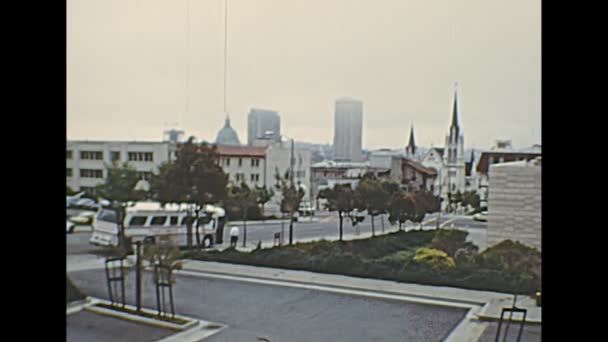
243,164
87,162
514,203
258,165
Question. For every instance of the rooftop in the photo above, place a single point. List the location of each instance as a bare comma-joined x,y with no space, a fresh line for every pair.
342,165
244,151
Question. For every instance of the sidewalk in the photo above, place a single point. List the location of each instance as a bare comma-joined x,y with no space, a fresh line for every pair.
252,244
273,222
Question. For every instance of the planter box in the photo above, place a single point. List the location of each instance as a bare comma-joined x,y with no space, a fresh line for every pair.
145,316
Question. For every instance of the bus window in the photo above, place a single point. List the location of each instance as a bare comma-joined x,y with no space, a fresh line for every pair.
205,219
158,221
138,221
185,220
173,220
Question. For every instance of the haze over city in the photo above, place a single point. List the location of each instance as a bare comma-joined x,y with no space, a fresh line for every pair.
134,67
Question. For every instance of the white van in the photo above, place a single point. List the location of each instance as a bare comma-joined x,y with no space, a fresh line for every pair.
149,221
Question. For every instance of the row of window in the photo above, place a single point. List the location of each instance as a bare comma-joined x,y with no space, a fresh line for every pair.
91,173
141,156
91,155
85,173
114,155
255,162
240,177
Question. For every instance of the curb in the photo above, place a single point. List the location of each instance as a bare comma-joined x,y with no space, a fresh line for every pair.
80,305
459,302
485,318
145,320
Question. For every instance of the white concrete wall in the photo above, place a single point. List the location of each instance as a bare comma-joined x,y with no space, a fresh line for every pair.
514,203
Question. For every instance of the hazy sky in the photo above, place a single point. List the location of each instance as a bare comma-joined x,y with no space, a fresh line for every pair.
127,62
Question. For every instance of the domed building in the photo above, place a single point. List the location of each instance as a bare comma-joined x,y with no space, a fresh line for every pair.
227,135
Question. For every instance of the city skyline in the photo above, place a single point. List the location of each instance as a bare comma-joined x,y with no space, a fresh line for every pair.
401,60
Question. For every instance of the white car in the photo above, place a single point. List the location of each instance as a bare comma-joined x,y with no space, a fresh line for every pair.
482,216
83,218
69,227
306,209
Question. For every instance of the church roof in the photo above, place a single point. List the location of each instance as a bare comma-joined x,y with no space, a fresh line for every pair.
227,135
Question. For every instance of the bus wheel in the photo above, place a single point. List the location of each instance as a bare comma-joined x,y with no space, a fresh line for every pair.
207,242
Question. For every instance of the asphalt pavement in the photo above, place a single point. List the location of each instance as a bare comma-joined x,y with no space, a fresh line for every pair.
275,313
93,327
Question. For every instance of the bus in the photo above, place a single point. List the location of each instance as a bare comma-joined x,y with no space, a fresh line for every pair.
149,222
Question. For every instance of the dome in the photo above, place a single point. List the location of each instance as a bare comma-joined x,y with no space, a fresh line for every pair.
227,135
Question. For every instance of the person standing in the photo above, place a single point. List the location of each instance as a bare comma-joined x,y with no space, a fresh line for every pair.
234,236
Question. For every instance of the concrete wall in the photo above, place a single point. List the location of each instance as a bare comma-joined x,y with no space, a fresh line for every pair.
514,203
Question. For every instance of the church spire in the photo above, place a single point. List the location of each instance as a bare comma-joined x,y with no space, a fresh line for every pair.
412,143
455,110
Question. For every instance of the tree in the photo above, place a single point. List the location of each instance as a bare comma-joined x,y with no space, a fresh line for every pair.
242,199
194,177
472,199
120,184
424,203
457,198
371,196
341,199
401,208
291,196
391,188
264,195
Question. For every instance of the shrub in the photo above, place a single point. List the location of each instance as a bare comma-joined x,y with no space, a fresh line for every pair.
514,260
397,260
434,258
449,240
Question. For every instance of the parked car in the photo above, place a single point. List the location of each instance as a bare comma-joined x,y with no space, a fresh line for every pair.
69,227
482,216
83,218
306,209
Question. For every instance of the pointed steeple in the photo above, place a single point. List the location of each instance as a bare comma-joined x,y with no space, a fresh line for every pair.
455,110
411,146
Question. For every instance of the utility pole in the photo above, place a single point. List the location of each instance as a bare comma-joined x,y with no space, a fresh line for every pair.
439,212
291,163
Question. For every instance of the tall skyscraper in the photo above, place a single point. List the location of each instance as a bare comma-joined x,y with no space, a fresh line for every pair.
348,127
263,123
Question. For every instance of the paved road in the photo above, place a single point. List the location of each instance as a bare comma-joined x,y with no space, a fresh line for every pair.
530,333
325,225
280,313
93,327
